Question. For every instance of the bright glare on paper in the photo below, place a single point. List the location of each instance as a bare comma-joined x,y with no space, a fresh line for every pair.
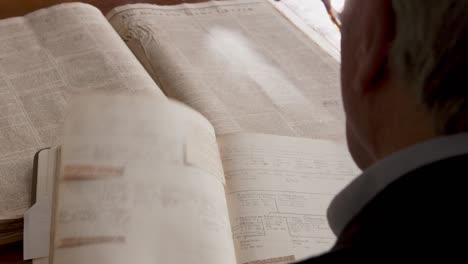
338,5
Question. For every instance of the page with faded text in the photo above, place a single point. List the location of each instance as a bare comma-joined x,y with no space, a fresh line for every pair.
278,189
152,191
45,57
242,64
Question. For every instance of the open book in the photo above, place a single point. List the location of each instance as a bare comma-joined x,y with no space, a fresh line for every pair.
142,180
241,64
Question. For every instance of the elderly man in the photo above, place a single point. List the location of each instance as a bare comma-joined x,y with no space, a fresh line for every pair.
403,71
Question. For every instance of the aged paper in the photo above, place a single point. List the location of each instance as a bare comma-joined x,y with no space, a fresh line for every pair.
45,57
313,19
315,16
278,189
241,64
130,196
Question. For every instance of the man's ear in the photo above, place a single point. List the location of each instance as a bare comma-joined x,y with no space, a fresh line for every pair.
378,38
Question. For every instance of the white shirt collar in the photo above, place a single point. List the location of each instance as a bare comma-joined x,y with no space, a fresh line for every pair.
364,188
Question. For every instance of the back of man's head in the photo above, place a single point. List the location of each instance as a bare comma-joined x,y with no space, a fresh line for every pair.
430,54
403,69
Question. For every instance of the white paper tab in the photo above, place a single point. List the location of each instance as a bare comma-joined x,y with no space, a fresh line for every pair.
37,229
38,219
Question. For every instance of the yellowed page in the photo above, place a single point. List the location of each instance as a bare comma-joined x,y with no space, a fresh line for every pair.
128,193
241,64
313,19
278,190
45,57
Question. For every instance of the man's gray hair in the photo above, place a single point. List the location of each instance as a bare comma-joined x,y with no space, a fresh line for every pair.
430,54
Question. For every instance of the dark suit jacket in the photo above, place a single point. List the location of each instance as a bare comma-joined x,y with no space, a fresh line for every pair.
420,217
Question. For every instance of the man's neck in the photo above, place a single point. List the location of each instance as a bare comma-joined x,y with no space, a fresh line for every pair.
404,122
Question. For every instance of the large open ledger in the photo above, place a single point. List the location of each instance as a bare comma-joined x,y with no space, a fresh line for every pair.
243,67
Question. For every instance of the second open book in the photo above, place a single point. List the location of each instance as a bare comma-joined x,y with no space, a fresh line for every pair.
145,180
